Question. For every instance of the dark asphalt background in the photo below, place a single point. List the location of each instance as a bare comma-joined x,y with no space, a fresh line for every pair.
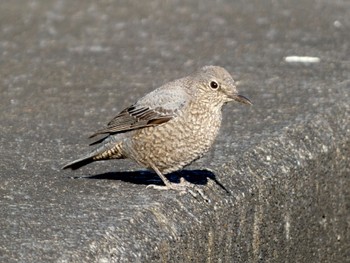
68,67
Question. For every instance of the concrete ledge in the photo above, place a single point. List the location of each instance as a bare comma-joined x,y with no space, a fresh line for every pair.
289,203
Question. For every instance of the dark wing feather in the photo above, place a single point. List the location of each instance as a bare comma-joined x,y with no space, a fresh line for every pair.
136,117
157,107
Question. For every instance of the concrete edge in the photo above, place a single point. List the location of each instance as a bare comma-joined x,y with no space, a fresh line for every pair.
239,228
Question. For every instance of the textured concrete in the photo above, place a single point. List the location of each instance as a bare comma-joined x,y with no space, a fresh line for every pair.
67,67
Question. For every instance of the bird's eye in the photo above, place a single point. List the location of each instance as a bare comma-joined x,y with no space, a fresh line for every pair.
214,85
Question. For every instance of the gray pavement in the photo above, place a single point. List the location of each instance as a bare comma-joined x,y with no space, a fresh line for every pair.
277,177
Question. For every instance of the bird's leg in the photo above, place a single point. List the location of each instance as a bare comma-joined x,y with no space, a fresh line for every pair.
168,184
183,187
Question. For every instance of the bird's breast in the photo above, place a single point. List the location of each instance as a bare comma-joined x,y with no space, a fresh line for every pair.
178,142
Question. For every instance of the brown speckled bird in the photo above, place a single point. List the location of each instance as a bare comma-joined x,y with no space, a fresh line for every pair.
170,127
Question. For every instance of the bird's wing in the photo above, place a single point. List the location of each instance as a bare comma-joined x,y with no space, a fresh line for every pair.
134,118
155,108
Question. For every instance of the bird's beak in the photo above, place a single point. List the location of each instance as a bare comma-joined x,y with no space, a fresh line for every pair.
242,99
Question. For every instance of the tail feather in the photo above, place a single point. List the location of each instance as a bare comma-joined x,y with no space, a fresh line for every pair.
99,140
79,163
109,150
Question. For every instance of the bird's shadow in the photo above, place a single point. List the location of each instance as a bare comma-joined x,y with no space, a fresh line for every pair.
197,177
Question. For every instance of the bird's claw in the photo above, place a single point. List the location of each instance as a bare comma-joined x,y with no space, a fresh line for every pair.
183,187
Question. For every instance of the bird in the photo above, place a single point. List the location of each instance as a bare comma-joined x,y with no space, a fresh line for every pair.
170,127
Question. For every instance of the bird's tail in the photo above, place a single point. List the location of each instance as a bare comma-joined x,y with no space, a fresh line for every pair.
76,164
108,151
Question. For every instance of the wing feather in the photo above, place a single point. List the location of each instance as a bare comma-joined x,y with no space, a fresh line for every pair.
157,107
133,118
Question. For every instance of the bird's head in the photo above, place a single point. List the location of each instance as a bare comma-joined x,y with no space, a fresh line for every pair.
216,85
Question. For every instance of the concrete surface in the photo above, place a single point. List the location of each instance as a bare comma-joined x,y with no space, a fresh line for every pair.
67,67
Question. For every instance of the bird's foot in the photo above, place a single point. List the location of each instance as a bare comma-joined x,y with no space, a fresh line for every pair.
183,187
